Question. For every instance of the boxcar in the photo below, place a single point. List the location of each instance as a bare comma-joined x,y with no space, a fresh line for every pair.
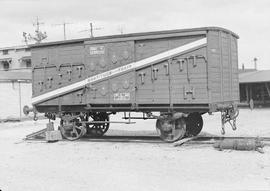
180,74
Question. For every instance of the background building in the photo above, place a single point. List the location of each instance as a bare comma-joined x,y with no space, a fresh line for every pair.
15,81
15,58
255,85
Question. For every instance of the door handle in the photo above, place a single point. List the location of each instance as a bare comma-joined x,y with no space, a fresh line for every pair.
80,95
69,74
50,79
142,74
80,70
154,73
60,78
40,83
181,64
167,68
194,64
94,89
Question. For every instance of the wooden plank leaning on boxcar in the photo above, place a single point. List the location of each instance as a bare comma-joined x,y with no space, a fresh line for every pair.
181,73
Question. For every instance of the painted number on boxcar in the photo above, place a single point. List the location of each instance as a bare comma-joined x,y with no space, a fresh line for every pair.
121,96
96,50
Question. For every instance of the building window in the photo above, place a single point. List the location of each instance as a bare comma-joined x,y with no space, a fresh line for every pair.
28,63
5,52
6,65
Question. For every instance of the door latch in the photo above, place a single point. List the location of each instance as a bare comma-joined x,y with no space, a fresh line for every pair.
181,63
154,73
167,68
60,78
40,83
142,75
50,79
94,89
69,74
80,68
80,95
194,63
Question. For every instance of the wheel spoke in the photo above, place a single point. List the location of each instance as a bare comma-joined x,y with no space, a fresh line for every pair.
78,127
76,132
70,129
170,130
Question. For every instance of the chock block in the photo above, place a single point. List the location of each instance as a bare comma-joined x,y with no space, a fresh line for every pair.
52,136
50,126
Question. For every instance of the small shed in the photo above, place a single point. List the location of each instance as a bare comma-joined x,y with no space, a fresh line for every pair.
255,85
15,92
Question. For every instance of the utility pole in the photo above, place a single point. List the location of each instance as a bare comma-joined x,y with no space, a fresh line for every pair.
91,30
121,29
37,24
64,28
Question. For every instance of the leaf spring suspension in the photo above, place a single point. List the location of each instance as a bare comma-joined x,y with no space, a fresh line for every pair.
229,116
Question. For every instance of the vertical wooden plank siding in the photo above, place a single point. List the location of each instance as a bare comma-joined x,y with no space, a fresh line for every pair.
230,65
237,77
221,66
209,93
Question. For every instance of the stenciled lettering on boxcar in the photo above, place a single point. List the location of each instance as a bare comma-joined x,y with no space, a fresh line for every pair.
110,73
124,96
96,50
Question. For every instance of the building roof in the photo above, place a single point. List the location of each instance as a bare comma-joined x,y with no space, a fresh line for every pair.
8,59
14,47
255,76
25,75
246,70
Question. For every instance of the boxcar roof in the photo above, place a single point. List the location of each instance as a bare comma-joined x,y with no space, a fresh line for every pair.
135,35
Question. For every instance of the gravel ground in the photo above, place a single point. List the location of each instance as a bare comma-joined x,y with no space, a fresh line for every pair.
82,165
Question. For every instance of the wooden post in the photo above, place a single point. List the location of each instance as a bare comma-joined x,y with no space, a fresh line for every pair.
250,92
267,88
247,95
20,100
262,94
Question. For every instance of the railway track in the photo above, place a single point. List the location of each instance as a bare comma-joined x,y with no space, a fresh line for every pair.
152,139
156,139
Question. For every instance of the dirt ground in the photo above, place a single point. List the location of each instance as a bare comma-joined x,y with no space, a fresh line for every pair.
84,165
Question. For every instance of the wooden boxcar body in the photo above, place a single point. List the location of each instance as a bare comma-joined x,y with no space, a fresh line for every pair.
187,71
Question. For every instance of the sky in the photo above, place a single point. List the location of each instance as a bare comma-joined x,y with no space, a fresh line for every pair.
250,19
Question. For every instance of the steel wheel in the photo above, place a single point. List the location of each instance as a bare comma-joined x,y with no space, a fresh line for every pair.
72,130
171,130
98,129
194,124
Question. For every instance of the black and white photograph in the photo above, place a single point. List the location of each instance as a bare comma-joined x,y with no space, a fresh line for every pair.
134,95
